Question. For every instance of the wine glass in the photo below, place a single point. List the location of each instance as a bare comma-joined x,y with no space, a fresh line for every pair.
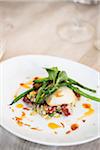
5,27
76,30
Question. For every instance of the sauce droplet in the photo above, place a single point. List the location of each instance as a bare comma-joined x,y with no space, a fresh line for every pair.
87,106
53,125
28,125
36,129
25,108
87,113
90,112
74,126
23,115
29,82
69,131
19,105
18,118
62,124
26,86
20,123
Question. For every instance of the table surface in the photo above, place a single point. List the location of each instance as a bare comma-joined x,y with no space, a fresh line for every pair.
32,28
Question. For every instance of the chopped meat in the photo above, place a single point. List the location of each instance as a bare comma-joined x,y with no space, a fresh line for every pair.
65,110
51,109
26,100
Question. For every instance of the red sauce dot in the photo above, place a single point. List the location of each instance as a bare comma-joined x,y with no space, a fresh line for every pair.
25,108
74,126
68,132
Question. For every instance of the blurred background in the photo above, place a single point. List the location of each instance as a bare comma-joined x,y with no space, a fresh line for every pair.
65,28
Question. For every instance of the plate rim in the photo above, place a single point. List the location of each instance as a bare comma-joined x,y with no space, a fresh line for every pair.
41,55
49,143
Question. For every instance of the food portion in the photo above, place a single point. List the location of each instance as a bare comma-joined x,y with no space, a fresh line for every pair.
55,95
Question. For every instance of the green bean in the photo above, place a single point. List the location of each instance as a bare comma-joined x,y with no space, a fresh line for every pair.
77,90
22,95
80,85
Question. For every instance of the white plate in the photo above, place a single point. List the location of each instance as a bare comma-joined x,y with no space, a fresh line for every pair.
20,69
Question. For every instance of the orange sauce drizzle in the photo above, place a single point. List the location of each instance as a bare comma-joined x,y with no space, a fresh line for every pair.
58,93
89,111
20,123
23,115
28,125
26,86
53,125
29,82
18,119
36,129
